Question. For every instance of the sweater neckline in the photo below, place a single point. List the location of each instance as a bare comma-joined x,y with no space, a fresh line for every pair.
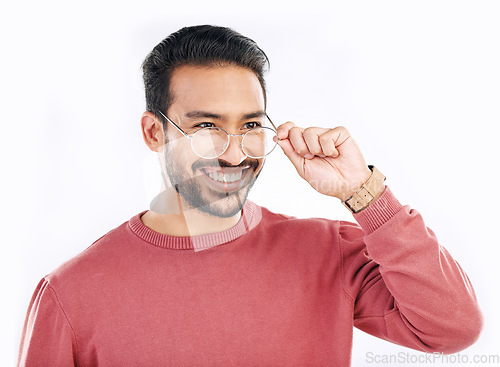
251,216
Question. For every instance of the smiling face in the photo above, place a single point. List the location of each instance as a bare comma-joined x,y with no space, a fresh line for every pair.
229,97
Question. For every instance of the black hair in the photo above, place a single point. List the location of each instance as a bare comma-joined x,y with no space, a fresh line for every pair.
197,45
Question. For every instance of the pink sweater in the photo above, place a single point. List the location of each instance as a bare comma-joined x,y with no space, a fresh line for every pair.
271,291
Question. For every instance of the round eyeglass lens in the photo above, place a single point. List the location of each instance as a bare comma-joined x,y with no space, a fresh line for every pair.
259,142
209,142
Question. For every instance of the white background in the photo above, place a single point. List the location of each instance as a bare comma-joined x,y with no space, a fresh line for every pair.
416,82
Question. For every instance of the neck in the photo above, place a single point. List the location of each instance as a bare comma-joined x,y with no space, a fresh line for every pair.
179,221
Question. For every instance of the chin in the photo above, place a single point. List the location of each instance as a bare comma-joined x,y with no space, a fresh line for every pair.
225,207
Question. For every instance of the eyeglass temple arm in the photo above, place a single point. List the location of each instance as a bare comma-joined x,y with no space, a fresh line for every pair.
173,123
275,128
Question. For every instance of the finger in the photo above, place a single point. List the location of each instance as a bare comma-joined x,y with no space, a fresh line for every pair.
331,140
311,138
327,142
296,138
283,129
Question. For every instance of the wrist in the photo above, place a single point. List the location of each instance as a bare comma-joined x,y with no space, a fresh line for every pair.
349,191
369,191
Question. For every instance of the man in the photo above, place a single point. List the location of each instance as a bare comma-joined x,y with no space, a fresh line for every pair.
207,278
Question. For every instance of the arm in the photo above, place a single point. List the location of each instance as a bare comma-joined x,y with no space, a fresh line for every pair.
47,338
405,287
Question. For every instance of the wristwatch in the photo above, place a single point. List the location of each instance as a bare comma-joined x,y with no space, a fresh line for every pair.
367,193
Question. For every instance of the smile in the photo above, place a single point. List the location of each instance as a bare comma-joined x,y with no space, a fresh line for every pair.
225,178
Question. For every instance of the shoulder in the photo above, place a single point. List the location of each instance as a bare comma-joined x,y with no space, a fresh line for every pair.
311,228
92,261
273,218
284,220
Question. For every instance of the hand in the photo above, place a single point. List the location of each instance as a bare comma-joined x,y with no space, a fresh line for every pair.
328,159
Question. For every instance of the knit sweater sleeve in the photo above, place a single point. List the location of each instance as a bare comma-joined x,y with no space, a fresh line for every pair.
47,338
406,288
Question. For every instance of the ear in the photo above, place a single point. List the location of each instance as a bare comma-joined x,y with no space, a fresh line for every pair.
152,131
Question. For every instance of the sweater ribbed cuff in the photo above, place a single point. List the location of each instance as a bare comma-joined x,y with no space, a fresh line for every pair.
378,212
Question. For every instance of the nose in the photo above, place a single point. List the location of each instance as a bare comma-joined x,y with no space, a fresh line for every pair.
233,153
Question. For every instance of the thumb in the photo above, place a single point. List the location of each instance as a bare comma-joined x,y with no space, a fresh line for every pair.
292,155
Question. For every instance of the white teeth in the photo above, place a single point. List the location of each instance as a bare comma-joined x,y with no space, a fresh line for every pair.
228,178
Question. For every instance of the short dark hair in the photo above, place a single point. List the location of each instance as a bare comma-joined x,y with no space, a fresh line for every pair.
197,45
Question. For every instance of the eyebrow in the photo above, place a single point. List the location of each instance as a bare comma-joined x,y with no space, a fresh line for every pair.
211,115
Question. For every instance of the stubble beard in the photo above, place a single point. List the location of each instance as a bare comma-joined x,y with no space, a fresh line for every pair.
197,195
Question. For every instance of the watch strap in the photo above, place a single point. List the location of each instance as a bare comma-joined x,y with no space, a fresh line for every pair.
367,193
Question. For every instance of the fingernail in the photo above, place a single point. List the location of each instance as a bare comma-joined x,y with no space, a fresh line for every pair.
308,156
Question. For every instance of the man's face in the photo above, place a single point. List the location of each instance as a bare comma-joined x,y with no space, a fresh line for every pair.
227,97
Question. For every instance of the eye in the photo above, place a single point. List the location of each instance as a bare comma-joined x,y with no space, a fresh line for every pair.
204,124
252,125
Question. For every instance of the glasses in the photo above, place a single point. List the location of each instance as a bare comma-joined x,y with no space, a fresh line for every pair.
212,142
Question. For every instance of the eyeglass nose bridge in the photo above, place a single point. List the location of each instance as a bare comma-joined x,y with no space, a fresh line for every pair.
242,147
229,136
